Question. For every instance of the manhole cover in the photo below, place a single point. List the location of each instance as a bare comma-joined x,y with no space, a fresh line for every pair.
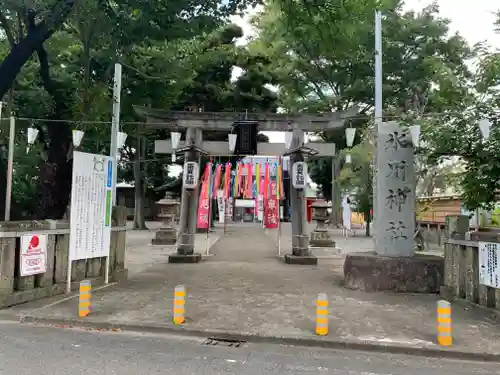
212,341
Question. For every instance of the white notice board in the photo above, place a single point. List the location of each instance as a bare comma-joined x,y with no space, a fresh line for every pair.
91,204
489,268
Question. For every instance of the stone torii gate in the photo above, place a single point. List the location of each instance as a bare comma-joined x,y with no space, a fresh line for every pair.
194,123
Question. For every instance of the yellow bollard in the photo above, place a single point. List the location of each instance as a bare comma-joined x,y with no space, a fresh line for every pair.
85,299
179,304
322,315
444,337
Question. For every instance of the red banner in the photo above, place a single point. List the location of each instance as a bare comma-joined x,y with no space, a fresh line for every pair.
217,181
227,180
202,221
271,209
266,182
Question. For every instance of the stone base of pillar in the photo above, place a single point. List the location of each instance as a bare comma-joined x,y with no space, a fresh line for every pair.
446,293
371,272
165,236
321,238
306,260
184,258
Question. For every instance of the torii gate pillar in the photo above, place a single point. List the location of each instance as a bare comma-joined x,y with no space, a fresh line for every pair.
189,205
300,238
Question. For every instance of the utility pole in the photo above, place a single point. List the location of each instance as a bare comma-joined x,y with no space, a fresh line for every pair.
378,113
115,125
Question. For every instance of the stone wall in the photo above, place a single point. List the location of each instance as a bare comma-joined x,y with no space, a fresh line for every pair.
461,270
15,289
432,232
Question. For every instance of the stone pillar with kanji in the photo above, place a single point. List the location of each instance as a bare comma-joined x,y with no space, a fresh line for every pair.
394,265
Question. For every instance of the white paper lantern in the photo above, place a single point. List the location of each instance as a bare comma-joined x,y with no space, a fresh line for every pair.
415,135
77,137
175,138
120,140
288,139
349,136
232,141
485,127
32,134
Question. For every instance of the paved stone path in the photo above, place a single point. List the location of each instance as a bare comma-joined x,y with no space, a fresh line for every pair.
244,288
141,255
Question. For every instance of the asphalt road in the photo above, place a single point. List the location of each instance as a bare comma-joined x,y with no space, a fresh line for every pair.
40,350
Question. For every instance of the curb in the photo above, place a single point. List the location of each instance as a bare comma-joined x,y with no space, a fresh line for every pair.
313,342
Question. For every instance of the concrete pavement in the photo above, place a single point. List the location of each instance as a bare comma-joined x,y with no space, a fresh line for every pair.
141,255
41,350
244,290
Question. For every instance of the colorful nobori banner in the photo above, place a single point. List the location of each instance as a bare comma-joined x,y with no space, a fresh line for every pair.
221,183
271,208
203,219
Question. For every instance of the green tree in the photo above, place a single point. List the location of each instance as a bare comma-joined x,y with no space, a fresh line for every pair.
357,178
209,60
456,132
89,41
324,54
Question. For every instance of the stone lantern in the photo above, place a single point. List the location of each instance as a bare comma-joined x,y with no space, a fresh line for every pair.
320,237
168,209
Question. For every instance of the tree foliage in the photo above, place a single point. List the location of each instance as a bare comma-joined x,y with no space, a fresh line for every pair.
356,178
324,53
65,78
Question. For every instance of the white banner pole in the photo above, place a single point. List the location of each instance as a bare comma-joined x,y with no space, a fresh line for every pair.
68,279
279,234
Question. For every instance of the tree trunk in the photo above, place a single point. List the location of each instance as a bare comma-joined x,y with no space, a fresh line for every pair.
54,188
139,190
3,181
37,35
367,219
337,196
3,159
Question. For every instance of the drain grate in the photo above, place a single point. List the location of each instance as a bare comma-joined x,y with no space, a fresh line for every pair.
212,341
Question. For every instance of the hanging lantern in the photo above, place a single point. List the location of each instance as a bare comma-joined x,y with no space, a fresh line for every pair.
232,141
485,127
32,134
288,139
349,136
120,140
77,137
415,135
175,138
